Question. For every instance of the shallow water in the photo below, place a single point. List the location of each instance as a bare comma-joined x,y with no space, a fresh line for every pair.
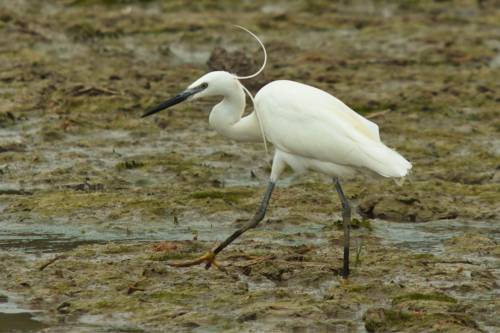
429,237
16,319
422,238
42,239
19,322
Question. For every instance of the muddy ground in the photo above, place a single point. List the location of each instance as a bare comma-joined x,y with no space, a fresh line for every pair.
111,196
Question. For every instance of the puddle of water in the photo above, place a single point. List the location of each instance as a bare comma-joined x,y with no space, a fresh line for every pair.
45,238
19,323
30,242
61,239
429,237
15,319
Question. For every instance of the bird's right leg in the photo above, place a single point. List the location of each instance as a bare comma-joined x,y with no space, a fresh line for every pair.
346,221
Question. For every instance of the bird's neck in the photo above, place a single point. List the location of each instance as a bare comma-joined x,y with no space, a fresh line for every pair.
226,119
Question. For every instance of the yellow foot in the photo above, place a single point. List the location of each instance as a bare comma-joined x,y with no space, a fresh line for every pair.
208,258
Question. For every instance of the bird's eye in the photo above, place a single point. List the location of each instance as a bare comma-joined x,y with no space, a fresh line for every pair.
204,85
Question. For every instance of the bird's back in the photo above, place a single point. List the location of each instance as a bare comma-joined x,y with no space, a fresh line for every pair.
306,121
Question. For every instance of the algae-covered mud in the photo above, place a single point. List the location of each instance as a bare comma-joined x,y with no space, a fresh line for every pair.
95,200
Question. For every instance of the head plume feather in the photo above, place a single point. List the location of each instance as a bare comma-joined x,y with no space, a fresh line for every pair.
252,76
263,49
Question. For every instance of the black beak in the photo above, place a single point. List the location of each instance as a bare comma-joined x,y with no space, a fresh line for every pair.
175,100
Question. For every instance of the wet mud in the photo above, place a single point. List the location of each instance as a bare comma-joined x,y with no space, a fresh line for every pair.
94,200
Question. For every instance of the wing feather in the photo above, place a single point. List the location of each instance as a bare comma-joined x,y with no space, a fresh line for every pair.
303,120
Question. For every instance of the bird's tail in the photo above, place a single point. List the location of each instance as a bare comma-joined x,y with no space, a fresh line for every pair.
385,161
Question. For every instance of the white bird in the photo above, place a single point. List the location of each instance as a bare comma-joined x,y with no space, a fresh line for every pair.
310,129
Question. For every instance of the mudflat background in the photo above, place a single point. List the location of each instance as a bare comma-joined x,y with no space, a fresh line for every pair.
94,200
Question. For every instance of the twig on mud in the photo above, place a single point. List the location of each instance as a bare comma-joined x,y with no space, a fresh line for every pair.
255,261
195,262
377,114
359,249
451,262
134,287
242,256
92,91
304,264
51,261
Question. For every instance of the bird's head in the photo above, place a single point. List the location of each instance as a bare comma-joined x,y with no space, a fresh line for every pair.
210,84
216,83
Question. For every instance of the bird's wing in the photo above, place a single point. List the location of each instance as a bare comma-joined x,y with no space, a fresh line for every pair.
309,122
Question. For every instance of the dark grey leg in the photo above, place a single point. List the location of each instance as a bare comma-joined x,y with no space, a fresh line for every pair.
259,215
346,220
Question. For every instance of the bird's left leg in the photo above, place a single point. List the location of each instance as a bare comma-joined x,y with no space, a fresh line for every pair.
346,221
209,257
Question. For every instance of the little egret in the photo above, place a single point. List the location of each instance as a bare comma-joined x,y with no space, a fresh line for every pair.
310,129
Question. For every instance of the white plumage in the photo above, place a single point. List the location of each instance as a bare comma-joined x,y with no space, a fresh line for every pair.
322,133
309,128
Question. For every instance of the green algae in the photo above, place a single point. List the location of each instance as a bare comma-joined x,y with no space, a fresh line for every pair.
438,297
377,321
64,203
132,164
355,224
233,196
